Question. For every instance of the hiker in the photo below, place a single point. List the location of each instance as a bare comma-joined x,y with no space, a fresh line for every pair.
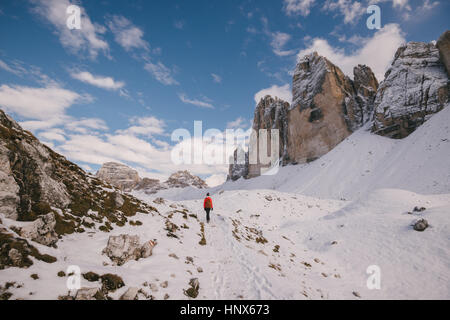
208,206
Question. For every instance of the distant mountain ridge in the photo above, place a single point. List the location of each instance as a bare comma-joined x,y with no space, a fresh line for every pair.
127,179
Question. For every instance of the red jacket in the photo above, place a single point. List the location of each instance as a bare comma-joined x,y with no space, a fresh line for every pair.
207,204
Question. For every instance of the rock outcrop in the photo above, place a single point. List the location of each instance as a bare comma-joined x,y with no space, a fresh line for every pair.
123,248
443,44
119,175
327,106
415,87
270,113
238,167
41,230
37,184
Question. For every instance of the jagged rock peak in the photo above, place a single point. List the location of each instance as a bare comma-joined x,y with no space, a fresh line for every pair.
182,179
308,77
119,175
327,106
415,87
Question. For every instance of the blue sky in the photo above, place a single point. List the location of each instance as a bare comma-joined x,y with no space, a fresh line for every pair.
137,70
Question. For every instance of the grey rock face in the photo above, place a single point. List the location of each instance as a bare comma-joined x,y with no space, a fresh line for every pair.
9,189
366,85
41,230
123,248
238,165
415,87
27,173
443,45
119,175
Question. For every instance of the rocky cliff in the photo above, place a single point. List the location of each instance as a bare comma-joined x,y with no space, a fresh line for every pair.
327,106
127,179
50,193
415,87
119,175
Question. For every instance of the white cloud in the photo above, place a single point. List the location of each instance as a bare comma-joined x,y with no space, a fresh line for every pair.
38,103
54,134
216,78
86,126
96,80
351,10
240,122
146,126
126,34
195,102
161,73
377,52
283,92
87,38
6,67
295,7
279,39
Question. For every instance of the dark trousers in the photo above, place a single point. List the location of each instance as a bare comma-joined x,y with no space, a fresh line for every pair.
207,214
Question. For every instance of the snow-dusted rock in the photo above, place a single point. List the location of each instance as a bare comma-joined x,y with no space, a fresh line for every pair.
9,189
119,175
41,230
123,248
443,44
89,294
118,200
182,179
130,294
149,186
238,165
420,225
415,87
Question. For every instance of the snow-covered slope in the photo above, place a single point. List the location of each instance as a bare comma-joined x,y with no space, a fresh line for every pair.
264,244
361,164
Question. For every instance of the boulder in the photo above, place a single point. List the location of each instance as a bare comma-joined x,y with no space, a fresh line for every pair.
42,230
130,294
89,294
123,248
420,225
192,292
111,282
